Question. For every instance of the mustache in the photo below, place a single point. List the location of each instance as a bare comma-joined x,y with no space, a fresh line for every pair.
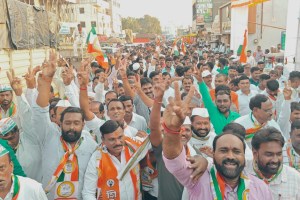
230,161
117,146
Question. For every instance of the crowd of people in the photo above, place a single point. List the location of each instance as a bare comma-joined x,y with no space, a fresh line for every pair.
197,125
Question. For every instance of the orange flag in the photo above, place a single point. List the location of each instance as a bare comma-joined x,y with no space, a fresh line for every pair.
243,57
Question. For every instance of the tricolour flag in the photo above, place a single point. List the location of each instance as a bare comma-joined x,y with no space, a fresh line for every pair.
174,48
243,57
182,46
94,48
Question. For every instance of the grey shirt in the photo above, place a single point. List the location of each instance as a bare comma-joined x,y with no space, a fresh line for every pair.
168,187
141,108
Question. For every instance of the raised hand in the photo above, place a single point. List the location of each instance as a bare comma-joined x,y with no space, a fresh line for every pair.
198,74
287,91
174,114
83,76
15,82
122,67
159,90
30,77
49,67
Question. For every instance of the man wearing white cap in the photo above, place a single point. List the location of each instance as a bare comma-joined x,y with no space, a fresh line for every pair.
25,146
202,131
207,78
7,106
13,187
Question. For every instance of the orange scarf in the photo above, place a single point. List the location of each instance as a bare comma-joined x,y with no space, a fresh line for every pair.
251,131
67,172
108,184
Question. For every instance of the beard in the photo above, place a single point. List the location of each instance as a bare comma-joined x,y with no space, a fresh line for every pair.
270,168
70,136
5,102
200,132
230,173
223,109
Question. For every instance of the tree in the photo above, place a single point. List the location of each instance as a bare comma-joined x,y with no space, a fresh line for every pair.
146,24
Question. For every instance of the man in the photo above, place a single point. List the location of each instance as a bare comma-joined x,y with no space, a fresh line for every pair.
250,58
223,66
168,187
220,113
255,73
7,106
166,77
284,181
202,130
232,72
61,149
78,38
290,111
258,54
226,173
291,153
261,66
109,159
14,186
272,92
222,79
207,78
187,82
244,95
263,78
97,108
132,119
169,67
247,70
281,78
260,116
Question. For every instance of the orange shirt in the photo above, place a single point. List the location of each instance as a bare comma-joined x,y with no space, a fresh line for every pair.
234,97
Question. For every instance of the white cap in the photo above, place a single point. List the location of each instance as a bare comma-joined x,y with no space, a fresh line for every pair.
279,65
136,66
91,94
233,57
202,112
187,121
63,103
205,73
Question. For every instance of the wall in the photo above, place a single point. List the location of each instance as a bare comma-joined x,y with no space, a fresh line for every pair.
20,60
274,14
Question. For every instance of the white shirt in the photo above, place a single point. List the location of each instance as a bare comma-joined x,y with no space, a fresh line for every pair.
138,122
197,142
284,118
91,177
170,92
29,150
52,150
286,185
286,158
251,61
29,189
281,81
247,122
244,101
276,104
72,93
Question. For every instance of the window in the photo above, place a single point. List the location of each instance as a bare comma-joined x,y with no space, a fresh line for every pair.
81,10
93,23
82,24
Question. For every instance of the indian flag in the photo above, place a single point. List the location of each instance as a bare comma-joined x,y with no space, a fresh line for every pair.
182,46
174,48
94,48
243,56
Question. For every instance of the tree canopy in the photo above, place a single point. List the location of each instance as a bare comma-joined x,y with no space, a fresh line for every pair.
146,24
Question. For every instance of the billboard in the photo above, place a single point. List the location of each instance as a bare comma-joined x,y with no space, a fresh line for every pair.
204,10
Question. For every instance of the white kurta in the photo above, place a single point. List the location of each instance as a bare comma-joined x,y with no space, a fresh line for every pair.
138,122
284,118
29,189
244,101
29,150
52,150
248,123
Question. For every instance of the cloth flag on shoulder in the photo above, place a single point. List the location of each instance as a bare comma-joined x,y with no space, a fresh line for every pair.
94,48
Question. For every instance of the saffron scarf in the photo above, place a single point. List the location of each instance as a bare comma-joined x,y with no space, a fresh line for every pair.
218,185
68,166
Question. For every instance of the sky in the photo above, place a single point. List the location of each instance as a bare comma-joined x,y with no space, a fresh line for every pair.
169,12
